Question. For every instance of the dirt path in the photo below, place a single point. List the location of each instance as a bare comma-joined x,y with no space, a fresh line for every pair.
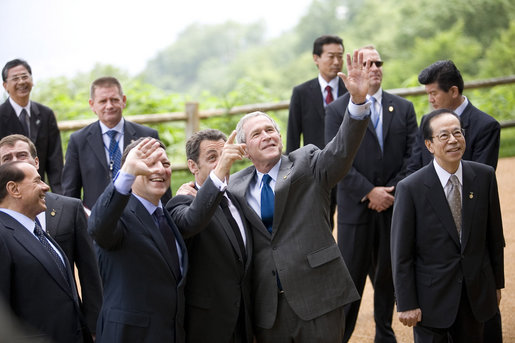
365,327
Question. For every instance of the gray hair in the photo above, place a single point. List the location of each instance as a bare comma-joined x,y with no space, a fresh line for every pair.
240,133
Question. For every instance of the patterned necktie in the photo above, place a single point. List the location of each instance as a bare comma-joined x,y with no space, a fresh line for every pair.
169,238
376,121
224,204
454,199
267,203
25,122
329,97
115,156
38,232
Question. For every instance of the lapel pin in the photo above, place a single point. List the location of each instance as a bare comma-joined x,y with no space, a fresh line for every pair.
471,195
52,213
390,108
285,177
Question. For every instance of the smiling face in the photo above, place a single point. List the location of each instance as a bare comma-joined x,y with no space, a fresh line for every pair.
264,144
153,187
19,84
108,104
31,191
209,155
448,154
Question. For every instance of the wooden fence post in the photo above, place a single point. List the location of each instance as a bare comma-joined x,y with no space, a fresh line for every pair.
193,119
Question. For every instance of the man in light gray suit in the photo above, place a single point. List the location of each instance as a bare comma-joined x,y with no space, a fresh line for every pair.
300,281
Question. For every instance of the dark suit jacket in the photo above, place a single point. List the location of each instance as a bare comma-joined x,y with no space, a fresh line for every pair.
33,286
429,263
301,248
371,166
86,169
218,279
66,222
482,138
307,115
143,298
45,135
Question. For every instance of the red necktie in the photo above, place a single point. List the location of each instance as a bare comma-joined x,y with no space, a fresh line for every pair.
329,97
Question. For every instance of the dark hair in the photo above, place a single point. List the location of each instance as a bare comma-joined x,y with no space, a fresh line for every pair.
444,73
427,131
104,82
9,172
318,45
12,64
129,147
193,143
11,140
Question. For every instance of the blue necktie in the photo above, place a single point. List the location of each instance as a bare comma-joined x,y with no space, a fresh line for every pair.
267,203
115,156
375,117
38,232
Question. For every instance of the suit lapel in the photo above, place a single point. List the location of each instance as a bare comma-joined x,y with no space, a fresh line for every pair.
436,197
129,134
282,188
10,119
317,98
53,214
96,143
469,189
35,121
387,113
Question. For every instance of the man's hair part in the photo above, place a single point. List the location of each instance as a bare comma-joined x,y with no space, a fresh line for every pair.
318,45
105,82
427,131
14,63
444,73
240,133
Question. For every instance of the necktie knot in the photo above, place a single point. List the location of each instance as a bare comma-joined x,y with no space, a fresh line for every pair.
454,180
112,133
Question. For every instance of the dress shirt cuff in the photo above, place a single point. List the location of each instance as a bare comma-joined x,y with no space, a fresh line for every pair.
123,182
359,112
221,185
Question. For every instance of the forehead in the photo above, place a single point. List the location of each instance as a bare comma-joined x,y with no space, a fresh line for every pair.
29,171
332,48
257,123
445,122
432,87
371,54
18,146
107,92
19,69
209,145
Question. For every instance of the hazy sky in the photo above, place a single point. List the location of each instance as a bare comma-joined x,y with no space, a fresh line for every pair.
62,37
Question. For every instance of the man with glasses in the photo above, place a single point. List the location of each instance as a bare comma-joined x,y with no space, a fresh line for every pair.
447,240
18,114
366,194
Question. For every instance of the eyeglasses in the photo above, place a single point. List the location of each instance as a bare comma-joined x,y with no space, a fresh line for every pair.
445,136
18,78
377,63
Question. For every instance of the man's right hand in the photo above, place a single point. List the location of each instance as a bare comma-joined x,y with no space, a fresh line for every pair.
231,152
357,79
380,198
144,155
187,189
411,317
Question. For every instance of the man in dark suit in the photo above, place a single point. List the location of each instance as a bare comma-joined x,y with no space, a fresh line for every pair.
366,194
219,244
65,221
93,155
444,87
300,281
308,100
37,281
141,254
447,240
18,114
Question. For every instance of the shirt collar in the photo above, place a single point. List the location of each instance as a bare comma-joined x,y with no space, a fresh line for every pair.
150,207
377,95
272,172
17,108
118,127
20,218
323,83
444,175
459,110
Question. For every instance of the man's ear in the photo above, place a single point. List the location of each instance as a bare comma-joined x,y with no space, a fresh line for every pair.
36,162
192,166
455,93
429,146
12,189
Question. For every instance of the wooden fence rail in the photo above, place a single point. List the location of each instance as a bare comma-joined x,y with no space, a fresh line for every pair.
192,115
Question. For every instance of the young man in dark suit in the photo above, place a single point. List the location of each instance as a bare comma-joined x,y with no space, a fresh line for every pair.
366,194
65,221
20,115
37,280
447,240
93,154
219,244
141,254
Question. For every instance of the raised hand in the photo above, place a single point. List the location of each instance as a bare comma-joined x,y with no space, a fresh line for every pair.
356,81
231,152
187,188
141,160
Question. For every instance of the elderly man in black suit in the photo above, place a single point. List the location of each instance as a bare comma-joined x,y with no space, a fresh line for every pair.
366,194
94,152
37,279
142,256
219,244
447,240
20,115
444,87
65,221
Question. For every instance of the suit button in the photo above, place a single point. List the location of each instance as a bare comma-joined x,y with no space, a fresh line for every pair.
273,272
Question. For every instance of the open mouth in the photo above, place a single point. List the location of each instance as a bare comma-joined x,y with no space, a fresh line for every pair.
157,179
